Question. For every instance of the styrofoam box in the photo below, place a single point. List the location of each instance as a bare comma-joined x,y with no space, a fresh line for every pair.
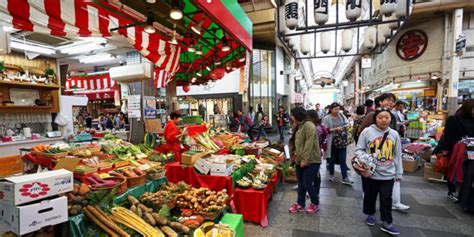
22,189
203,166
28,218
222,169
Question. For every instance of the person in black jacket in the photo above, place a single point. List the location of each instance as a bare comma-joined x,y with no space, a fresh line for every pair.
457,126
282,120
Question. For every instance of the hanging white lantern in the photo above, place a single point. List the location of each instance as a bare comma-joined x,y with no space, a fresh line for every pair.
291,13
392,25
370,37
325,41
305,43
387,7
381,35
281,20
402,8
346,40
353,9
321,11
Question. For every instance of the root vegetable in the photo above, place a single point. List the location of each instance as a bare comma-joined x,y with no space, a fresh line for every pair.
159,220
180,227
100,224
106,220
132,200
83,189
75,189
149,219
138,172
133,208
144,208
169,232
139,212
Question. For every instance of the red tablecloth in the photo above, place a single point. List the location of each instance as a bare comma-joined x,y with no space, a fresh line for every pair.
195,129
252,204
175,173
40,160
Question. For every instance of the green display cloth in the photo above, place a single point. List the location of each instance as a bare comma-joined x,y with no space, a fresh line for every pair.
242,171
77,224
235,222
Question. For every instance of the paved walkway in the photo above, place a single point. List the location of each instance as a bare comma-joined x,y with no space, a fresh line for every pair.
431,213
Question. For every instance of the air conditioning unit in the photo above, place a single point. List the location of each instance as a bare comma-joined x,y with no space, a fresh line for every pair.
131,73
4,41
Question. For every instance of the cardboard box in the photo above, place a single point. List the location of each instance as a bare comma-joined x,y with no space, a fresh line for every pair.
429,172
17,190
222,169
27,218
410,166
203,166
189,158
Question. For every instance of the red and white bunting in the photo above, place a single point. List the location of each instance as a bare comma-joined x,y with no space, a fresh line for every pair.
93,82
162,78
83,18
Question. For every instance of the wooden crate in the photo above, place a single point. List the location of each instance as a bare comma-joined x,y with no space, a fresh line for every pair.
410,166
10,165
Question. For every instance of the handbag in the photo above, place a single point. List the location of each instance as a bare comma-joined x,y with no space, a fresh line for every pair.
365,165
342,139
442,163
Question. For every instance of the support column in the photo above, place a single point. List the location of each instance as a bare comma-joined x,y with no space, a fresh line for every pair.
456,30
171,97
292,84
356,83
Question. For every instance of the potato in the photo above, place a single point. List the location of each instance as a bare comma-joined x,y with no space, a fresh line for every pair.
149,219
159,220
75,189
84,189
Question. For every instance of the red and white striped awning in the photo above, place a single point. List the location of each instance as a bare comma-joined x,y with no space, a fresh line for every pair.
91,82
84,18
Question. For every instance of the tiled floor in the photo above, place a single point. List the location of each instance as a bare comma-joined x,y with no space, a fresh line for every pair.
431,213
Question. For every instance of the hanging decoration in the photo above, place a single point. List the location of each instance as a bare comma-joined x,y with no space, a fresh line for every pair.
321,11
281,20
347,40
387,7
325,41
305,44
353,9
291,14
403,9
370,37
75,18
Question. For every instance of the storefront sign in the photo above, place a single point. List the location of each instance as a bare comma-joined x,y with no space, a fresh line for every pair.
149,108
299,98
412,45
134,108
124,91
366,62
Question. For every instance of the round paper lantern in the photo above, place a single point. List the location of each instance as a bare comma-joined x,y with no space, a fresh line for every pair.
370,37
321,9
402,8
281,20
392,25
381,31
352,9
291,13
346,40
186,88
217,73
325,41
305,43
388,7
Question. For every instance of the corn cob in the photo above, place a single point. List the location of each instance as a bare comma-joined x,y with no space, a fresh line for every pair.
131,220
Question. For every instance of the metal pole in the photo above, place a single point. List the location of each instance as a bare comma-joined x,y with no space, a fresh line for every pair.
456,30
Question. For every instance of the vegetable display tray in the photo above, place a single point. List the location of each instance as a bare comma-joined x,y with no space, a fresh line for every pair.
51,155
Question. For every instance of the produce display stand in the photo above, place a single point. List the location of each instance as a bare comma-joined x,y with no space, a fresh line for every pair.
252,204
235,222
176,172
77,225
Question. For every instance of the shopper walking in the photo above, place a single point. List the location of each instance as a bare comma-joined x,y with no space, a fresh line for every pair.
337,124
304,148
400,118
282,120
359,117
369,104
321,113
386,101
250,122
459,125
262,122
235,123
382,143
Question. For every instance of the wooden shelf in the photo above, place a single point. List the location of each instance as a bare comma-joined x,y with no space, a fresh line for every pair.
28,109
24,107
30,85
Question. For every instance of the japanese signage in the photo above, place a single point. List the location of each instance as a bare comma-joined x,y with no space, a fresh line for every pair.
412,45
291,11
134,108
460,44
149,108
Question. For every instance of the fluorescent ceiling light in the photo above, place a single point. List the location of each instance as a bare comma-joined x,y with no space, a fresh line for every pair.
198,74
150,29
80,48
199,52
193,80
97,58
242,59
208,68
191,49
197,28
217,63
176,14
32,48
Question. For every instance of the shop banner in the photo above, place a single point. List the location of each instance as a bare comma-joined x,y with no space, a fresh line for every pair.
134,108
90,82
149,108
80,18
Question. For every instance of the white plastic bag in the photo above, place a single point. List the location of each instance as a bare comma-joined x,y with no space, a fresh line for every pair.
396,193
